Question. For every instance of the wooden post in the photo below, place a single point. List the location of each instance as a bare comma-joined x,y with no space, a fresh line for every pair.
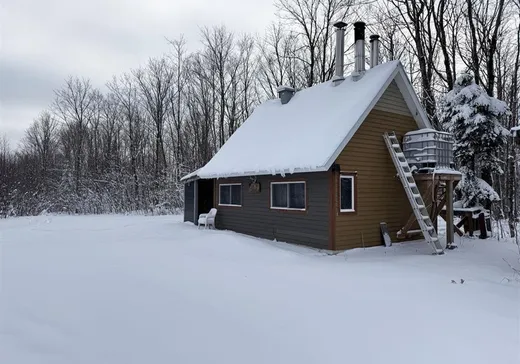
449,214
482,226
195,201
435,210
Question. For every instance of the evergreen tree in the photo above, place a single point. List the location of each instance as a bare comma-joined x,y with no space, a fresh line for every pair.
475,120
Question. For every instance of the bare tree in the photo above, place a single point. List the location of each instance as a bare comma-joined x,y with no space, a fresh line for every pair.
241,81
278,63
73,105
94,146
219,45
7,179
155,82
248,67
416,22
177,98
202,100
383,21
486,21
125,90
312,21
447,21
41,139
110,127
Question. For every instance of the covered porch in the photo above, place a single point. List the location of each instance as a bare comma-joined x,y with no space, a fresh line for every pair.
198,196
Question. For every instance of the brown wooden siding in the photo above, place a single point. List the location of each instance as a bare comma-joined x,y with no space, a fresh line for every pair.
310,227
380,194
392,101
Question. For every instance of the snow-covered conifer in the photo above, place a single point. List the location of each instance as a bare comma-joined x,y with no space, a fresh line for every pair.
475,120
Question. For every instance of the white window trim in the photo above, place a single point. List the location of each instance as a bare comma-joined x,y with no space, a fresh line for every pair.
287,183
353,209
230,184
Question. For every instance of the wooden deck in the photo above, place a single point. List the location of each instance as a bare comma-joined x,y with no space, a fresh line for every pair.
420,177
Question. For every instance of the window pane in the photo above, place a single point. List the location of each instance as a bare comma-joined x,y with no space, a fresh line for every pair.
279,195
346,194
297,195
225,195
236,195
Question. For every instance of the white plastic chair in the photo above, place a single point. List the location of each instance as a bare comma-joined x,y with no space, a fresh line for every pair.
208,219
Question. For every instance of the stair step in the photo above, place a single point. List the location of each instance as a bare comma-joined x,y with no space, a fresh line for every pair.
412,192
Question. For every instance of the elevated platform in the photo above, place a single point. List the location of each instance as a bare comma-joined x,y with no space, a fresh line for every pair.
425,166
438,175
436,187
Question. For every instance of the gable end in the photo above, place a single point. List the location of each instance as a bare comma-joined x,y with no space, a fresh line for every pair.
393,101
398,77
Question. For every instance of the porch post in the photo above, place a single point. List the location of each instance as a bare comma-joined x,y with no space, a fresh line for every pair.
195,201
449,213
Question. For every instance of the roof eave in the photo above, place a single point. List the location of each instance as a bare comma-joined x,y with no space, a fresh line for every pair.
284,172
411,99
191,176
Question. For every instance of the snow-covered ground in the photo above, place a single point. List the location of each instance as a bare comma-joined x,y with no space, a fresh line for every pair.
135,289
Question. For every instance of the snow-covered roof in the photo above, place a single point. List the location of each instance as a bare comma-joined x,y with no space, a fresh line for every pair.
424,131
309,132
421,131
190,175
446,171
515,131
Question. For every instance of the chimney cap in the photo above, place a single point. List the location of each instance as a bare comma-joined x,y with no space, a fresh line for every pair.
340,24
374,37
285,93
283,88
359,24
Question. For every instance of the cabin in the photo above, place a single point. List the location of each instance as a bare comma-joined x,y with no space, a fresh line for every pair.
324,167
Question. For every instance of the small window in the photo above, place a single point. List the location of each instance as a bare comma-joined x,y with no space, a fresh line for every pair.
347,194
288,195
230,194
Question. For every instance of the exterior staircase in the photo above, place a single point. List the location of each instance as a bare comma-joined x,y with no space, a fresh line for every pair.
413,193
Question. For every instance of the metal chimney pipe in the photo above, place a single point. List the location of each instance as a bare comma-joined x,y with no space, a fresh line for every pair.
340,52
374,50
359,50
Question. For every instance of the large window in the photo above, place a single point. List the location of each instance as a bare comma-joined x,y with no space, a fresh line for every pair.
347,194
230,194
288,195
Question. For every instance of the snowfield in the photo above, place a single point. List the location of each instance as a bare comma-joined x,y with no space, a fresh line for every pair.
135,289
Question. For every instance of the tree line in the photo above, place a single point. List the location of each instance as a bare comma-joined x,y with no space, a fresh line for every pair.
123,146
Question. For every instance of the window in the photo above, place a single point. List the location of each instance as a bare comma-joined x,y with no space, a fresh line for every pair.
288,195
347,194
230,194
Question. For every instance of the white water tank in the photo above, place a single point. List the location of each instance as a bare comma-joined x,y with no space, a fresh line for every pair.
428,149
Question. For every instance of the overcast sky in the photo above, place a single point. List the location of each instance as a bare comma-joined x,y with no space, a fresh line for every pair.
44,41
